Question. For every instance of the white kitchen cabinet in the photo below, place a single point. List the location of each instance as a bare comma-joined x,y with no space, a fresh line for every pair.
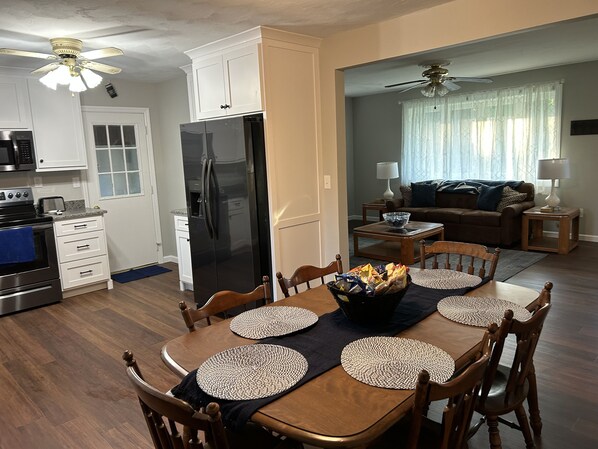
82,255
181,226
226,82
15,112
57,127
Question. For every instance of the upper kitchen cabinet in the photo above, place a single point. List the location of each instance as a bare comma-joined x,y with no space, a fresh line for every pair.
226,77
57,127
14,98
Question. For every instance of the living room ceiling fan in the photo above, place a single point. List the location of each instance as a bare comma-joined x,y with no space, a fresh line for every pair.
69,65
437,81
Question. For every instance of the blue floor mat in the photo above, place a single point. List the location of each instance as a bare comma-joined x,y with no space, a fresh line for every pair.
139,273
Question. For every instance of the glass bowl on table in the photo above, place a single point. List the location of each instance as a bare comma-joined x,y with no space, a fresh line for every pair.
370,295
396,220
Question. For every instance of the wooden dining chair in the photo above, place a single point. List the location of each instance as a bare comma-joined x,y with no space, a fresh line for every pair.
223,301
306,273
417,431
166,416
465,256
507,387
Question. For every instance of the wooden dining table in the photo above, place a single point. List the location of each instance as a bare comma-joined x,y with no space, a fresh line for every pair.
333,409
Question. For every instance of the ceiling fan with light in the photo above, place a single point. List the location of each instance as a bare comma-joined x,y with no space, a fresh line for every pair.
69,65
437,81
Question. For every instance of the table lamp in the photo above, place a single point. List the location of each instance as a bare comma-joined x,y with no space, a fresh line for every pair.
388,171
553,169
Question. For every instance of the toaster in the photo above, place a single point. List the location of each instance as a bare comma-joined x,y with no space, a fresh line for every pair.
49,204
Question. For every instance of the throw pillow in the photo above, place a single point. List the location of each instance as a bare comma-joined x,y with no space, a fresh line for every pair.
406,193
510,196
489,197
424,195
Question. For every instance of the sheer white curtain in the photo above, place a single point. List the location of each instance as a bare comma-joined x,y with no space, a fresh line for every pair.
498,135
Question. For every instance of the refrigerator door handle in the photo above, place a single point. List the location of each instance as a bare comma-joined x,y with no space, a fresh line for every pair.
210,215
202,200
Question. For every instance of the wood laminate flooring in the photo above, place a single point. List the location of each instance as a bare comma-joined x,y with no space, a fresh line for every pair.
63,385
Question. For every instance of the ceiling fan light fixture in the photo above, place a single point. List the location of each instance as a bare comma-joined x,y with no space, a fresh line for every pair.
428,91
62,75
91,78
77,84
49,80
441,90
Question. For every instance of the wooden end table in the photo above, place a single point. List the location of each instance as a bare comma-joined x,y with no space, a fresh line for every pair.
568,223
394,242
379,205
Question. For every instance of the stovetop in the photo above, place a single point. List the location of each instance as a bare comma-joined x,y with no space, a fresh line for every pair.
17,207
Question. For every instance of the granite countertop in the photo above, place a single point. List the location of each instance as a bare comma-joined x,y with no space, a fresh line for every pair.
179,212
77,209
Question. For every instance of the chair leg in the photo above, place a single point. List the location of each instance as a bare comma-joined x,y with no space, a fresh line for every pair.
524,424
493,434
532,401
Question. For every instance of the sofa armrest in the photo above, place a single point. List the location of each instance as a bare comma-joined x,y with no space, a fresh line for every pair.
517,209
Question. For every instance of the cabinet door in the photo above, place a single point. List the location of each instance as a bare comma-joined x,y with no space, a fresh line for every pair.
58,128
210,92
242,78
14,98
184,255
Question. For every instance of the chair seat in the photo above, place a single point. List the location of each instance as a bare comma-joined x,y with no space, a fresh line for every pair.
497,403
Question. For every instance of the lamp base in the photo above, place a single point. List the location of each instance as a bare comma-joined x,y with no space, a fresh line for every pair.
388,195
553,200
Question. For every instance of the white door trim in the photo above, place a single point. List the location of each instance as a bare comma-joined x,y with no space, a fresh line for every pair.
152,167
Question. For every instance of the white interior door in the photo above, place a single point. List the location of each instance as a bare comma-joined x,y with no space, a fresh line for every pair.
120,180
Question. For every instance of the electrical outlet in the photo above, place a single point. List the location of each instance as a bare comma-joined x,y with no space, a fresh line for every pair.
580,212
76,181
327,182
37,181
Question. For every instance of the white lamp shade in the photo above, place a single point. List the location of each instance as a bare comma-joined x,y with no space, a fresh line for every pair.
92,79
553,168
62,75
77,84
387,170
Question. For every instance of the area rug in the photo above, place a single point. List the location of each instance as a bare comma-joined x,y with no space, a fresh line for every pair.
510,263
139,273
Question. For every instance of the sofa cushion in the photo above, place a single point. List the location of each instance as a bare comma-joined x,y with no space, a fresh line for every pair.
423,195
481,218
406,193
445,215
510,196
489,197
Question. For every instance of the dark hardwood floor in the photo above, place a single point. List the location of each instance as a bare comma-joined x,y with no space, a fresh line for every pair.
63,384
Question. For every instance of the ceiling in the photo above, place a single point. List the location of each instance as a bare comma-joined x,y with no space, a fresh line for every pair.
155,33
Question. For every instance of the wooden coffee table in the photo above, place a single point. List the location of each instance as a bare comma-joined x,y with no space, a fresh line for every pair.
395,242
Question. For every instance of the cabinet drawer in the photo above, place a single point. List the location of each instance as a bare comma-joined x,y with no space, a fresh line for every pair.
84,272
77,226
81,246
181,223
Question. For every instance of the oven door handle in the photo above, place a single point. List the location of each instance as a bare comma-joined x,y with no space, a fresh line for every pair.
35,226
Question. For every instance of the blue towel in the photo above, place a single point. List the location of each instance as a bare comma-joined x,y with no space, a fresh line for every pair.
16,245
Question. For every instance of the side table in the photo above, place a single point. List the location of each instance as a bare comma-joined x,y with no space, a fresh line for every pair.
379,205
568,224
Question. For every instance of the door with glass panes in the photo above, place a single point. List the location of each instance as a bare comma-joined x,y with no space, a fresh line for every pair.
119,180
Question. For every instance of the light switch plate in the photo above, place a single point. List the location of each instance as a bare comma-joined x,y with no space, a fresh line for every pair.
76,181
327,181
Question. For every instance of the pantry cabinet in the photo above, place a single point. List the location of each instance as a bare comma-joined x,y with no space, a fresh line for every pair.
181,227
82,255
15,112
226,81
57,128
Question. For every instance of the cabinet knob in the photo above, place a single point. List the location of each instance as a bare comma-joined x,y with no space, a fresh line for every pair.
41,161
224,106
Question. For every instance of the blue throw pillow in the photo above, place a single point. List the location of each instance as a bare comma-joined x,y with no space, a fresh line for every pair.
489,197
423,195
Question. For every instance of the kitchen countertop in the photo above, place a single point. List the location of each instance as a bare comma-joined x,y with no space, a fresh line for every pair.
69,214
179,212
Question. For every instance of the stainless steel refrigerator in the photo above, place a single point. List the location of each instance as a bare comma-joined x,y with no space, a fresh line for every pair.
227,204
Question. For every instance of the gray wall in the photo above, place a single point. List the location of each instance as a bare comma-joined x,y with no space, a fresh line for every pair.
376,129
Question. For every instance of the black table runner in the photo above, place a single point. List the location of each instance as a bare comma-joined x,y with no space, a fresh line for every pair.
321,345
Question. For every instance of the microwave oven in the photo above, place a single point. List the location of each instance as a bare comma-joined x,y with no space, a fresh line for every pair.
16,151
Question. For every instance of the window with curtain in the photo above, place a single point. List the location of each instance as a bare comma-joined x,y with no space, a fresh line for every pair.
497,134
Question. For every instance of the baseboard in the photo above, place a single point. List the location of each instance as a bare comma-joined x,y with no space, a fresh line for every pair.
582,237
173,259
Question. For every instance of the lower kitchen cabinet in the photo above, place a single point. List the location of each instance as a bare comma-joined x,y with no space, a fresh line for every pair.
82,255
181,226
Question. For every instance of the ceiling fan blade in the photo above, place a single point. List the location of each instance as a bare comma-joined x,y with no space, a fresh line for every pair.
46,68
414,87
105,68
102,53
469,80
450,85
407,82
28,54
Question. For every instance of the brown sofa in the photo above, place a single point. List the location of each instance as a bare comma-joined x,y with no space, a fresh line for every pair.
464,222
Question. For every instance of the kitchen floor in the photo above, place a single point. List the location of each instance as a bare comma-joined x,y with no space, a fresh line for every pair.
63,382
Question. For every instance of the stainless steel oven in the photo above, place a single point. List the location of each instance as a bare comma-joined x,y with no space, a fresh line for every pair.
29,275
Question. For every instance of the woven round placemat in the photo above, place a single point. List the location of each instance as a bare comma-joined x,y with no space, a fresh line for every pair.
444,279
251,372
478,310
266,322
391,362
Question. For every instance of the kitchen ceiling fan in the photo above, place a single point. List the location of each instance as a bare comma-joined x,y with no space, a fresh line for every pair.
69,64
437,81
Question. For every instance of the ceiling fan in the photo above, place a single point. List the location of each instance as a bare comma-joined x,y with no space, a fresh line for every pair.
68,62
437,81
